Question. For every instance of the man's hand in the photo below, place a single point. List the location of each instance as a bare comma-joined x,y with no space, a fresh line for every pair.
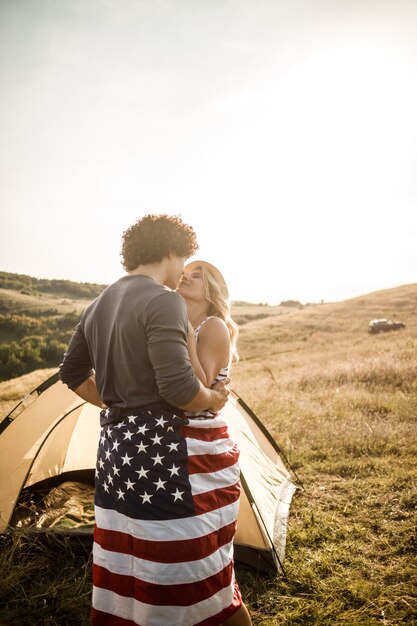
209,399
220,394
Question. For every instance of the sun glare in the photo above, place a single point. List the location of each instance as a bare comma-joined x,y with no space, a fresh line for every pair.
284,141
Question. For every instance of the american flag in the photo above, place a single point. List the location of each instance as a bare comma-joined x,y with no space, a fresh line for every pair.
166,507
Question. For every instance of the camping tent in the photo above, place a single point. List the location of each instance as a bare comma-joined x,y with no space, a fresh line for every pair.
47,461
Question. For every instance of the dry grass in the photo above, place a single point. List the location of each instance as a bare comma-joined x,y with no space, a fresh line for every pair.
343,406
43,585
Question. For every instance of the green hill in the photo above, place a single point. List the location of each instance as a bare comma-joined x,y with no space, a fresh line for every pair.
37,319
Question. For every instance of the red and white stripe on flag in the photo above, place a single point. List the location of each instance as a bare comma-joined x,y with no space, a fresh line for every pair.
156,572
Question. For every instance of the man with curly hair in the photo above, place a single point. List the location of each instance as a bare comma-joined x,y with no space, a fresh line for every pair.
133,337
129,356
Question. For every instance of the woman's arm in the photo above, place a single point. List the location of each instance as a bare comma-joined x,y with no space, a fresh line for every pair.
212,351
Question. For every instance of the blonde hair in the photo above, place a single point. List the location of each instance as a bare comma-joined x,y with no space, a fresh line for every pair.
220,306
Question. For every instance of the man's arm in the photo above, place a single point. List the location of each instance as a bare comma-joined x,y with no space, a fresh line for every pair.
88,391
76,371
167,333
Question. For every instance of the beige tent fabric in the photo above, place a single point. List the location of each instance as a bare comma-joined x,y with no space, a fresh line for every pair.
59,433
268,480
23,439
72,445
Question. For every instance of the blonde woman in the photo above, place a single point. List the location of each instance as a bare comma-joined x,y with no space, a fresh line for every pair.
212,342
212,454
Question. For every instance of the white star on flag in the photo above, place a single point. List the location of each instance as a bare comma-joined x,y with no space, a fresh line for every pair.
115,470
157,459
170,428
129,485
101,463
141,447
161,421
121,494
174,470
128,435
156,440
116,444
145,497
173,446
131,418
110,478
177,495
106,487
126,459
142,429
143,473
160,484
107,453
102,439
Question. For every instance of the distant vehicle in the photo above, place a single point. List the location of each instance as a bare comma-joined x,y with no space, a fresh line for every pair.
383,326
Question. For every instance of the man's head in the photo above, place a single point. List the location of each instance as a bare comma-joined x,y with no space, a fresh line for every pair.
156,237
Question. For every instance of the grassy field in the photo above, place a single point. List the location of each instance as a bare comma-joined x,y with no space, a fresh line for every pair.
343,406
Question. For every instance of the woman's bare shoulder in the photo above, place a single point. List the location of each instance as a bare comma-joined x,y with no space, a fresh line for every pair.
215,327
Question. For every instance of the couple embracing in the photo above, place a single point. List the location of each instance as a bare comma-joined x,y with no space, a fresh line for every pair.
154,352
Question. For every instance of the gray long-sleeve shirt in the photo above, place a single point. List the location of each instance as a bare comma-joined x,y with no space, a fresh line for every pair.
134,336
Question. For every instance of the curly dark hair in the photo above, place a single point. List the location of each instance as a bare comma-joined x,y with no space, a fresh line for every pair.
154,237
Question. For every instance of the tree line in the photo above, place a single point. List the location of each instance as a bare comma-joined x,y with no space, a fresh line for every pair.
30,343
32,336
30,285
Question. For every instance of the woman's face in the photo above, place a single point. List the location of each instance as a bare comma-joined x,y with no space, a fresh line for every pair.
191,286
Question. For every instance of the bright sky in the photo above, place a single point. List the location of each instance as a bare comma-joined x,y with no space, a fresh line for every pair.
284,131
